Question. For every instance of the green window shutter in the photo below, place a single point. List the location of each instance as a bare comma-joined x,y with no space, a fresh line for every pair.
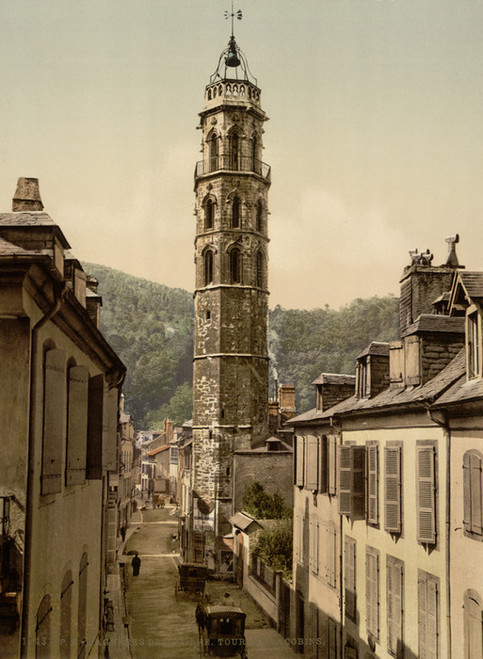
372,484
53,421
345,480
426,494
78,382
312,463
392,489
299,462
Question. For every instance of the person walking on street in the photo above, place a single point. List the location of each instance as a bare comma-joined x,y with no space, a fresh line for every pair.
123,533
136,564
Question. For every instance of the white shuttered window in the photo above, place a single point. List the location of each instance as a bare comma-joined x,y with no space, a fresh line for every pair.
372,470
53,421
472,484
312,463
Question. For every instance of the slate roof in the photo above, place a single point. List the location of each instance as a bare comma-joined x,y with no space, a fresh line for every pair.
473,283
427,322
390,399
243,521
32,219
377,348
462,391
335,378
8,249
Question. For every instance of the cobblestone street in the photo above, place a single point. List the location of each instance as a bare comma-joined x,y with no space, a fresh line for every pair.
162,622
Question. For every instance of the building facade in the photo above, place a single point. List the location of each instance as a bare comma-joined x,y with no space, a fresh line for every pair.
59,417
394,472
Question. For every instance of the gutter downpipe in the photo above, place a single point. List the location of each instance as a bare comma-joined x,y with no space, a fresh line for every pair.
31,468
338,432
445,425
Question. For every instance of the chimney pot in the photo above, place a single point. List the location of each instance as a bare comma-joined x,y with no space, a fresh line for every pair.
27,195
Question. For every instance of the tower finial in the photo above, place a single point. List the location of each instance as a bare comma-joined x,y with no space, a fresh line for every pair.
238,14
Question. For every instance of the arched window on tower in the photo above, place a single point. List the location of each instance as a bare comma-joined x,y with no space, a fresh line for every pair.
235,266
259,216
259,270
235,213
213,152
234,151
208,266
209,213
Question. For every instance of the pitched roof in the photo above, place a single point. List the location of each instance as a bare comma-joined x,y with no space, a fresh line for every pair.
377,348
32,219
389,399
160,449
335,378
8,249
428,322
243,521
473,283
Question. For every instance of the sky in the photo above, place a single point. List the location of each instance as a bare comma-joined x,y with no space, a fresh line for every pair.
375,138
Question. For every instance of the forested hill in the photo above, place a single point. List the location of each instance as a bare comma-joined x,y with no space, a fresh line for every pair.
151,328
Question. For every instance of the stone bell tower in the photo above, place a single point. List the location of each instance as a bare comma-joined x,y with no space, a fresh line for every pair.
230,399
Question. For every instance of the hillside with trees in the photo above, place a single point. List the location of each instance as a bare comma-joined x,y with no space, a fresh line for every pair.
151,328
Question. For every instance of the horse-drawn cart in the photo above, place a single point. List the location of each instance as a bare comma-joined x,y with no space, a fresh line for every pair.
191,578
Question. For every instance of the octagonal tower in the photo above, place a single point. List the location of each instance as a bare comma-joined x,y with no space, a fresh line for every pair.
230,399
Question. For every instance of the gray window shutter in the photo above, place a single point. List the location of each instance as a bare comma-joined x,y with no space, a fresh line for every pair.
312,463
332,638
299,462
331,555
95,427
332,464
412,359
426,495
345,480
78,381
473,628
394,581
422,618
428,616
392,489
372,592
467,491
475,480
372,484
53,421
358,485
350,577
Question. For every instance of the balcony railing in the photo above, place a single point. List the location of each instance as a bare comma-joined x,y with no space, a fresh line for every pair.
229,163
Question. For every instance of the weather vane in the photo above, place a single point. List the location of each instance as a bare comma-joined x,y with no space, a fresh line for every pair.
234,14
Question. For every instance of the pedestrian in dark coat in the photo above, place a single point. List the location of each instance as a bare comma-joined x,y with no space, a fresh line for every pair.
123,533
136,564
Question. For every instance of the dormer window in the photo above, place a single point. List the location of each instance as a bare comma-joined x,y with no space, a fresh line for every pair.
473,343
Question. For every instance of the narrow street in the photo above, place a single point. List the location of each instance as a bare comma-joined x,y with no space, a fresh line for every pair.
163,621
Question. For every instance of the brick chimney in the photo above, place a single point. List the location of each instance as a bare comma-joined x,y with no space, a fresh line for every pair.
332,388
286,401
422,283
27,195
168,429
273,422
